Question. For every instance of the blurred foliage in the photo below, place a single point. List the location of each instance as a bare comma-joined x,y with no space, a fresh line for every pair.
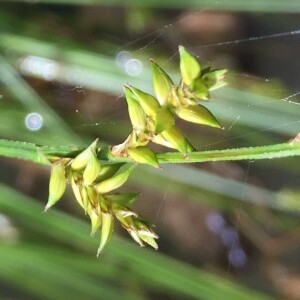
219,223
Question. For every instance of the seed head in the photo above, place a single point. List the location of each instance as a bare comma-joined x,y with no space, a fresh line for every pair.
57,185
137,115
114,182
143,155
81,160
148,103
92,169
189,66
162,83
106,230
199,115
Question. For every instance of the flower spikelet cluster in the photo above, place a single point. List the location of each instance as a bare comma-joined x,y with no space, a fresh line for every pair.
153,120
94,186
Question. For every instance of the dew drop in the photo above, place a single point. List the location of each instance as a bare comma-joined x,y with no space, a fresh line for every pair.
133,67
34,121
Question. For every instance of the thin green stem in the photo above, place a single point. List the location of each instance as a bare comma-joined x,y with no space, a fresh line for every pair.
42,154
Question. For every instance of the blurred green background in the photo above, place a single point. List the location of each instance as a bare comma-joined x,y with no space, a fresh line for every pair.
227,230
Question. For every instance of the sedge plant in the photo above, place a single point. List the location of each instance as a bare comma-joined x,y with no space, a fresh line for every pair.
95,174
153,120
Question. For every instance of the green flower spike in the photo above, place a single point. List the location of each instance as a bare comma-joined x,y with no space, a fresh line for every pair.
85,197
134,234
143,155
162,83
200,90
136,113
145,233
125,222
57,185
81,160
174,99
150,240
92,169
95,216
123,212
214,79
175,137
128,225
108,171
122,199
114,182
164,120
106,230
77,193
160,140
138,229
199,115
189,66
148,103
93,197
153,120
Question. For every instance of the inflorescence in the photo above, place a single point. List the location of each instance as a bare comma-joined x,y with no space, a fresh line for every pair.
153,120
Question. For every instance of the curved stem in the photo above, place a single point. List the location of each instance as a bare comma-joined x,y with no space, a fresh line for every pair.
42,154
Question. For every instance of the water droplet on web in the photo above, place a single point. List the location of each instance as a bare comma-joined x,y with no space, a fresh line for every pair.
122,58
34,121
39,66
133,67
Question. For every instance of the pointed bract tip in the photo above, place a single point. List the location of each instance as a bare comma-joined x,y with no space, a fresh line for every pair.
46,208
93,146
151,60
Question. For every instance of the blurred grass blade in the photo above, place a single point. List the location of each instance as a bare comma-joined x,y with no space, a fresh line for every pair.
254,110
50,279
77,67
30,99
195,182
291,6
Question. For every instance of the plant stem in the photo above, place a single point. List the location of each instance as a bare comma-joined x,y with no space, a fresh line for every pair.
42,154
